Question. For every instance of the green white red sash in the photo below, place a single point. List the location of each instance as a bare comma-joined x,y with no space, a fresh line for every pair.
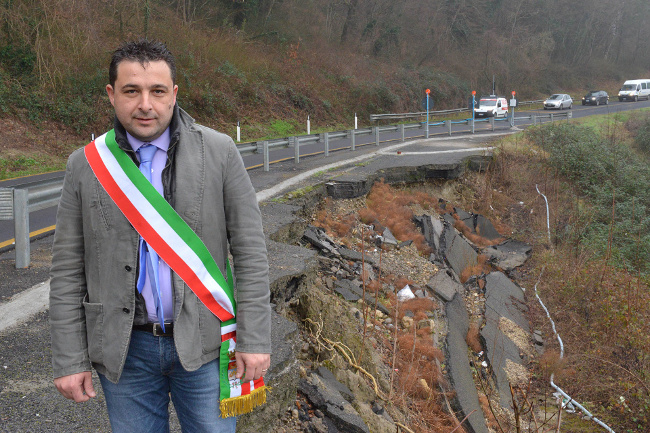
182,249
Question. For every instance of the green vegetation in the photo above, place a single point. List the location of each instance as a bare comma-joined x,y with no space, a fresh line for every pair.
264,60
596,280
614,178
18,166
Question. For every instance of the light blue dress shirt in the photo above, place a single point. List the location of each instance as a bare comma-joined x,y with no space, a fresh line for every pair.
164,271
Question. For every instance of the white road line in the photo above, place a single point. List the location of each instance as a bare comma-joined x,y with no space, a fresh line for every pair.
24,305
277,189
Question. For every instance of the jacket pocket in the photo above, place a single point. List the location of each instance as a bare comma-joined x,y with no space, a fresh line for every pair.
94,327
210,329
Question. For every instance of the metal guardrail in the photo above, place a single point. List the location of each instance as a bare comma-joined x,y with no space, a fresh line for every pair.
375,117
16,203
551,116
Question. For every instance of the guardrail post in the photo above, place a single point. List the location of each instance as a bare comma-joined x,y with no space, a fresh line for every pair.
552,118
326,138
492,123
376,131
569,115
448,125
401,130
296,150
265,149
352,139
21,227
534,118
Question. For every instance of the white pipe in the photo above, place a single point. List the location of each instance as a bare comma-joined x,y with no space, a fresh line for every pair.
238,133
548,225
557,388
355,120
308,126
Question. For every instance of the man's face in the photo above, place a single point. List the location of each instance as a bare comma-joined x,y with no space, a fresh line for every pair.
143,98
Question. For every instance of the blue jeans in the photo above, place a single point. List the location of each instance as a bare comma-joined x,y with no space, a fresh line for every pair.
139,402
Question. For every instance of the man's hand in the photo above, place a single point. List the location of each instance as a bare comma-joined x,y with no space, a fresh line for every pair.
77,387
251,366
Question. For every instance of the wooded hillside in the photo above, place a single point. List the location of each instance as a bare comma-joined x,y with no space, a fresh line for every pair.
270,63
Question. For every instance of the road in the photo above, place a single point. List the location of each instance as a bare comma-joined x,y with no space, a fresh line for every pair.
42,222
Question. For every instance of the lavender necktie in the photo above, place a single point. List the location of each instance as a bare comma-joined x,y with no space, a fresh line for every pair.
148,257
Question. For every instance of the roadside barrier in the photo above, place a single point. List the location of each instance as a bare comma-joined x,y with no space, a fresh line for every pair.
17,203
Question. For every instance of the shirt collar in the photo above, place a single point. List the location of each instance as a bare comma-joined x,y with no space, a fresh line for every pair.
161,142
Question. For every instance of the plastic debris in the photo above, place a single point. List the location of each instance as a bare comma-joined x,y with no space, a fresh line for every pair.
405,294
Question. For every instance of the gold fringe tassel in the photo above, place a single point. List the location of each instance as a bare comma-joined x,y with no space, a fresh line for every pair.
236,406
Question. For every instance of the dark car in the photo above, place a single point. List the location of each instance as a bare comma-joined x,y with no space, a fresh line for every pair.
595,98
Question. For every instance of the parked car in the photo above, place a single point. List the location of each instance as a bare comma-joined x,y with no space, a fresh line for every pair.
633,90
491,106
558,101
595,98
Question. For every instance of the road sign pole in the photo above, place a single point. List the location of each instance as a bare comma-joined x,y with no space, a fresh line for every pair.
427,113
428,91
512,119
473,108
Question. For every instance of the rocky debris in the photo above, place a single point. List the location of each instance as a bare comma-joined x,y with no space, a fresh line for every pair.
460,373
356,256
478,224
432,229
388,238
509,254
325,395
334,407
319,239
445,286
484,228
352,291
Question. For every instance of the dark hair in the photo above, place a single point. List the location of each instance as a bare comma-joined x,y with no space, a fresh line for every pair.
142,51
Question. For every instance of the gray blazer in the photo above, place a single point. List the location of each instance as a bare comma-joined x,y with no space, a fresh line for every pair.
95,256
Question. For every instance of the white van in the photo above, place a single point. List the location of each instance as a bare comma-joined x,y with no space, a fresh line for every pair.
633,90
491,106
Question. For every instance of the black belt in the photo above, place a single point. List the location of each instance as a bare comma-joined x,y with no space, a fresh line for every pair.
156,329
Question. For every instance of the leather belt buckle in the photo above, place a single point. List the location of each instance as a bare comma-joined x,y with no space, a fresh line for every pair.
157,330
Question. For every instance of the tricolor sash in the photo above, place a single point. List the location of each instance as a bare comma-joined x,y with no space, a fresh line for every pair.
182,249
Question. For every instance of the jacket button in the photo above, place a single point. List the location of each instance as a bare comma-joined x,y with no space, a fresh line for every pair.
128,268
125,310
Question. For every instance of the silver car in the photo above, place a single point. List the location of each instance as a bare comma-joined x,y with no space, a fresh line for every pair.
558,101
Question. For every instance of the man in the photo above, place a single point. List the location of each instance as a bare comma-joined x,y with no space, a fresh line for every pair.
145,305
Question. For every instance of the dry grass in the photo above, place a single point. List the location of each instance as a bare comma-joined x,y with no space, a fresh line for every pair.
473,338
482,267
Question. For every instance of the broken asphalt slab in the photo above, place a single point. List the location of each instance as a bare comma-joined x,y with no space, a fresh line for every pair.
506,333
